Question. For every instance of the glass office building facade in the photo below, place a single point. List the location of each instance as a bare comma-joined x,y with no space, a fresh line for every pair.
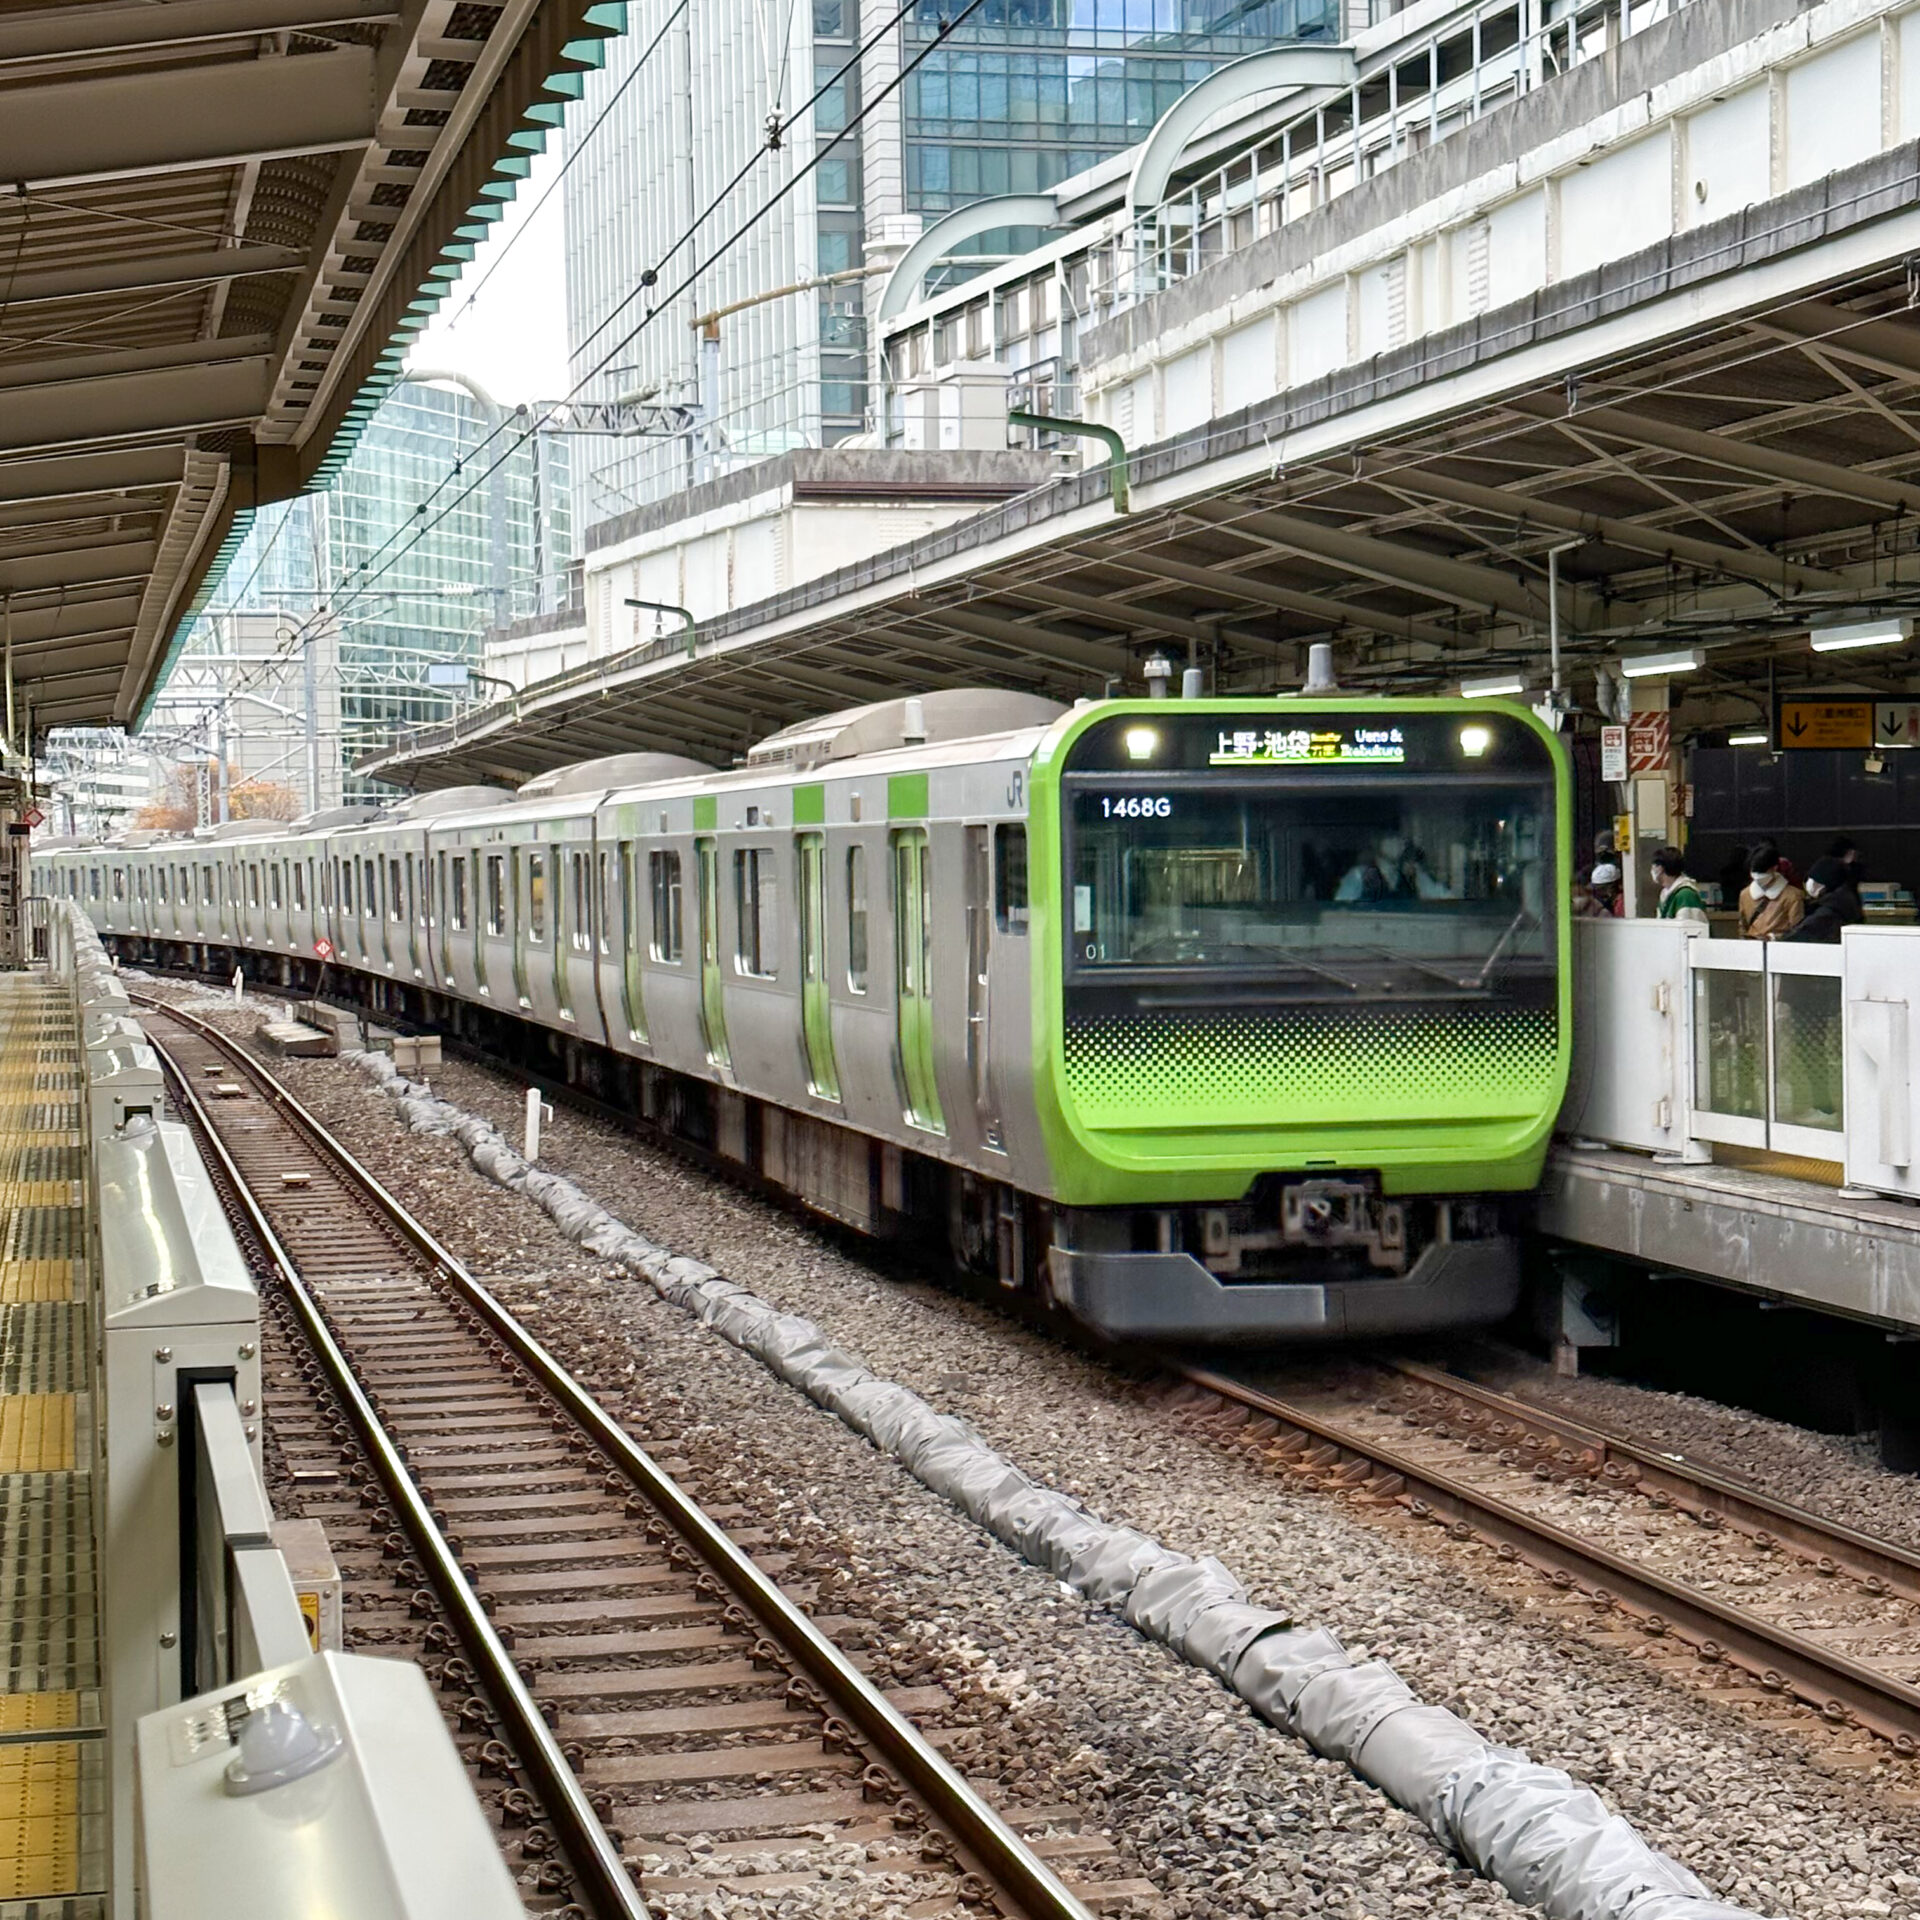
1017,98
410,589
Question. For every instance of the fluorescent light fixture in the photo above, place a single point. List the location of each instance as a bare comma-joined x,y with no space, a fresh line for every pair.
1474,741
1648,666
1869,633
1141,742
1497,688
1749,740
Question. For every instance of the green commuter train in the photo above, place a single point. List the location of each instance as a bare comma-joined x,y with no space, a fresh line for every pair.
1220,1019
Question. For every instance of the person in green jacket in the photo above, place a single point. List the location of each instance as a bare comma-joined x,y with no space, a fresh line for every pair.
1679,892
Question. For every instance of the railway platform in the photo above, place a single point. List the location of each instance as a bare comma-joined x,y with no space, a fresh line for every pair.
147,1615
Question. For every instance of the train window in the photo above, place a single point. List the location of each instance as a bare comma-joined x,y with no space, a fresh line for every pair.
421,894
253,883
206,886
1010,879
119,883
537,898
669,931
605,901
457,892
857,919
161,883
369,889
140,882
396,899
299,887
274,883
756,896
580,903
346,885
496,893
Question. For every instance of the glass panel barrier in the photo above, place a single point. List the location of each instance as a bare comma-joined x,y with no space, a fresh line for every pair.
1806,1005
1730,1051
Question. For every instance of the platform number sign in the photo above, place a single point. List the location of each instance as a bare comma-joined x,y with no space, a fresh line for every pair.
323,948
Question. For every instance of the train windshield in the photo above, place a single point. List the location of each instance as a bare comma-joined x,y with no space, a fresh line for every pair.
1315,881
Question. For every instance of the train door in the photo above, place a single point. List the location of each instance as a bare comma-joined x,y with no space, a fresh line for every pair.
572,922
816,1009
913,977
632,996
979,965
529,918
713,1008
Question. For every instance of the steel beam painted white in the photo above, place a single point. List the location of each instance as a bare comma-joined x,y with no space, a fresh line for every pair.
82,475
141,276
54,33
71,413
1262,72
109,126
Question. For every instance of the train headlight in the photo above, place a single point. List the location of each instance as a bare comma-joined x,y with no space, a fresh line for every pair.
1474,741
1142,742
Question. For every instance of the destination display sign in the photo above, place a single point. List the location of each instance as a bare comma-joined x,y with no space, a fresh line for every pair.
1310,746
1812,723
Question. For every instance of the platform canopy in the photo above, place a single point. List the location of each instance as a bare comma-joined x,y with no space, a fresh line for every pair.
219,221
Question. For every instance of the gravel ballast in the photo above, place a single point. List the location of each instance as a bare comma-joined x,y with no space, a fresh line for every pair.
1226,1815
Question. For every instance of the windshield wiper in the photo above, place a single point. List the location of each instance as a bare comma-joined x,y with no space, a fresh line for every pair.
1500,946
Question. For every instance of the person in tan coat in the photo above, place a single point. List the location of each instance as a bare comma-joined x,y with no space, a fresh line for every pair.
1770,905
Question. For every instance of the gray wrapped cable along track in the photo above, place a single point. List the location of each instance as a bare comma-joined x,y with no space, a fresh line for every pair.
1544,1837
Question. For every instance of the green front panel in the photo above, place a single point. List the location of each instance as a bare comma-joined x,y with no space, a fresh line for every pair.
713,1005
1194,1093
816,1010
913,961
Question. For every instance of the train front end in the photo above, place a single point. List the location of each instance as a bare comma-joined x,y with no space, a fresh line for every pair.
1303,974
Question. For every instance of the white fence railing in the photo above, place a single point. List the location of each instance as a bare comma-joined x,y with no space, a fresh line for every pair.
1682,1043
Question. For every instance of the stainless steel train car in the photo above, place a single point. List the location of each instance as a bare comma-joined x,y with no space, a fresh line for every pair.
1215,1019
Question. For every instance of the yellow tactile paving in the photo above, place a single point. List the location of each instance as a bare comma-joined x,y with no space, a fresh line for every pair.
36,1433
39,1819
51,1788
39,1712
22,1281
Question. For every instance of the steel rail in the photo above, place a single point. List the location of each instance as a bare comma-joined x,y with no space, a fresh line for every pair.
1841,1689
1693,1488
997,1853
590,1850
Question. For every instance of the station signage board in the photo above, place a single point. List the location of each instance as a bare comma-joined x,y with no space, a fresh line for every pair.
1613,754
1649,742
1896,723
1814,721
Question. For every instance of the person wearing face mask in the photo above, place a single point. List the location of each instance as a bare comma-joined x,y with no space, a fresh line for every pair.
1835,903
1680,897
1771,904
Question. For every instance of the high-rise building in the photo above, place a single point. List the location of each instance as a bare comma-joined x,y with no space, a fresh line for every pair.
407,591
663,184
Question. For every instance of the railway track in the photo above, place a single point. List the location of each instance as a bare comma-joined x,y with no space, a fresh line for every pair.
1473,1465
1477,1464
633,1675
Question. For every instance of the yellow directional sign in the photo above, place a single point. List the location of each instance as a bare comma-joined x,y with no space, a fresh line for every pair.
1813,722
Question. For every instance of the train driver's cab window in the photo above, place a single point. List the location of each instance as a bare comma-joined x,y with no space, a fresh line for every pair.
579,906
537,898
857,919
669,927
756,889
1010,879
496,893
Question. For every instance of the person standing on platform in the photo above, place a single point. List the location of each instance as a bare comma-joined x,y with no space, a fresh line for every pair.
1600,898
1771,905
1680,896
1835,903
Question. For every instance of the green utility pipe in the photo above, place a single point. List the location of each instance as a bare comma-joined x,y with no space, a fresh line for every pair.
1117,464
667,606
